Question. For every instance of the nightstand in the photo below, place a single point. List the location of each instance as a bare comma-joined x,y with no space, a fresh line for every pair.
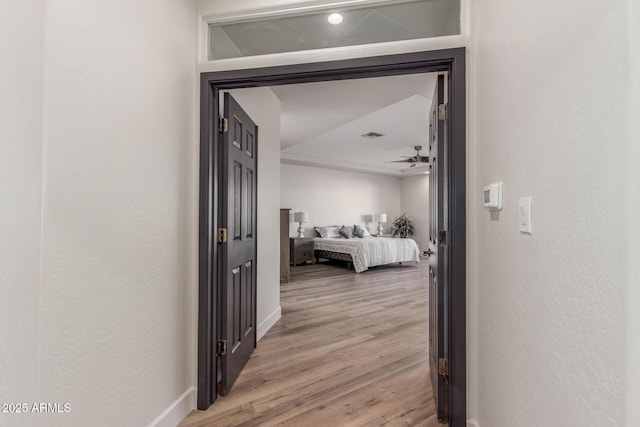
301,250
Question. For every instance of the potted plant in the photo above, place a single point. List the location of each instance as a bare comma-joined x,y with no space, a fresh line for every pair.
403,227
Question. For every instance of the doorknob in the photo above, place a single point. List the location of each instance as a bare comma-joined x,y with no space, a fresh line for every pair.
429,252
442,238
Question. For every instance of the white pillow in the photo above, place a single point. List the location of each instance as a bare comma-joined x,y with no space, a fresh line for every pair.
329,232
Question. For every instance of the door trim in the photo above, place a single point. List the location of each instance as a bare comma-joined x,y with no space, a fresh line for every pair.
447,60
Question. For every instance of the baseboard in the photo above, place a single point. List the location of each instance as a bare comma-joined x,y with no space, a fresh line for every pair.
268,323
473,423
176,412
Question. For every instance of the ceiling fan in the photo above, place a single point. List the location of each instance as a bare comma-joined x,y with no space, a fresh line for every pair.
414,160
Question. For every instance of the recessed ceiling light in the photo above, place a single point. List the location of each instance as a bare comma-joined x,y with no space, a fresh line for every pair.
335,18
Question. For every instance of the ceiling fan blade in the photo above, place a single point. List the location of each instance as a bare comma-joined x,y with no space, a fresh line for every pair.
401,161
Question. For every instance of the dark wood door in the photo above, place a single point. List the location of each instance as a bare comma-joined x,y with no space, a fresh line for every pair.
438,249
238,254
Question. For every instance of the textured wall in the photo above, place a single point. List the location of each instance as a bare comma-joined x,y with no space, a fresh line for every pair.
264,108
334,197
632,295
415,203
118,228
20,194
551,111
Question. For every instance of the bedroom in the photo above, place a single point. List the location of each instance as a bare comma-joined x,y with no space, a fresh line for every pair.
347,159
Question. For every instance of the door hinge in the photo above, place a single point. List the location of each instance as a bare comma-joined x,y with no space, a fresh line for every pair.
443,111
442,238
222,235
222,347
223,124
443,367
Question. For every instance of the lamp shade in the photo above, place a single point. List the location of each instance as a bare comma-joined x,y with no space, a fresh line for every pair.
380,217
300,217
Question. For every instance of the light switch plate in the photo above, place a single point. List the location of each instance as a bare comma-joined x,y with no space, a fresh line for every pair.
524,209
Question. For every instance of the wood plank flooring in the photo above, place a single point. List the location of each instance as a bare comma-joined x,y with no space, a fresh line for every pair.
350,350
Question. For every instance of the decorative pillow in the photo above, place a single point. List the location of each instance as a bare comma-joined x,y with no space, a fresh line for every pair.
359,231
333,232
364,229
329,232
346,232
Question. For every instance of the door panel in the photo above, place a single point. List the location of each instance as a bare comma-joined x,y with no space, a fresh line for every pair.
238,254
250,196
438,260
237,200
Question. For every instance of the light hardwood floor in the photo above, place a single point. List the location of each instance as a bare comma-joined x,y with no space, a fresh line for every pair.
350,350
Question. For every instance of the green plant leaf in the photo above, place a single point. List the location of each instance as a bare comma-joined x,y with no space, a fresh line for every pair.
403,227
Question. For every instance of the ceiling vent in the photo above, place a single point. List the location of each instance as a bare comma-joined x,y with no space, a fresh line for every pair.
372,135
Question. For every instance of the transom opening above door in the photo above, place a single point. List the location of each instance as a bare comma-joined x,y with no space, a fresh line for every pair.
348,24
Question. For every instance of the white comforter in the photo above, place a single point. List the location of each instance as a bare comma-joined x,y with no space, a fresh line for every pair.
372,251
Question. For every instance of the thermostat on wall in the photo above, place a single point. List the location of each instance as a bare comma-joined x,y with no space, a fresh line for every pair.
492,196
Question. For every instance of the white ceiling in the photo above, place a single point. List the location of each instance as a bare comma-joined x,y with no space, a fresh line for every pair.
322,123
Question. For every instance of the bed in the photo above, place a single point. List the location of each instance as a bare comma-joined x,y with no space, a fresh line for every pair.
367,251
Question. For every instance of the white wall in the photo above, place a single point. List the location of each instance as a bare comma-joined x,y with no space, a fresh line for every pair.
472,210
21,50
415,203
335,197
264,108
119,242
632,290
551,112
